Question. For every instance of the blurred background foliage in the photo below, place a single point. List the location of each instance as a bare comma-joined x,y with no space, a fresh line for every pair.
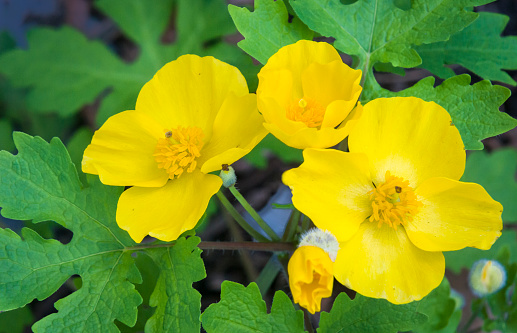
68,65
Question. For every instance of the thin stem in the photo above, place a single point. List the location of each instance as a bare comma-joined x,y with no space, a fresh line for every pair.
305,223
239,219
307,320
254,214
473,317
250,246
292,224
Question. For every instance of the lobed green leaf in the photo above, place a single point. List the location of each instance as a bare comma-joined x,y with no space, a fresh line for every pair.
267,29
365,314
479,48
242,309
379,31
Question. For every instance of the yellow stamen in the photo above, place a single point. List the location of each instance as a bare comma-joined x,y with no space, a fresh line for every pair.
393,202
307,111
178,150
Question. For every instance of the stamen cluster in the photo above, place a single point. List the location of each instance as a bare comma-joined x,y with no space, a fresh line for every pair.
177,152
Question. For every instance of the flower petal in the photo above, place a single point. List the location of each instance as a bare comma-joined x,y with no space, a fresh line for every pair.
454,215
331,187
409,137
334,81
189,92
383,263
310,277
237,129
166,212
121,151
298,56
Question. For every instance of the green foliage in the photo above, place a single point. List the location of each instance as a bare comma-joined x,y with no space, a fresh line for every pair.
177,303
16,321
496,173
479,48
379,31
270,144
456,260
41,183
76,70
438,306
242,309
474,109
267,29
365,314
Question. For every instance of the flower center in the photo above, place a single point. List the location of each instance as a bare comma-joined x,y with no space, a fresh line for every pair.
177,152
393,202
306,111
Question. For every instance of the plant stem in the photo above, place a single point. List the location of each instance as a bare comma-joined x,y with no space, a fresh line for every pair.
305,223
254,214
292,224
473,317
307,320
251,246
239,219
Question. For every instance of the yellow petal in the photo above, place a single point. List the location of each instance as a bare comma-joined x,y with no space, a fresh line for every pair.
454,215
331,187
383,263
310,277
190,91
331,82
166,212
237,129
409,137
121,151
298,56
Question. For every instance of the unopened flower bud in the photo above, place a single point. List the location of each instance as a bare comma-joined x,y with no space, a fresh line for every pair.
486,277
311,269
228,176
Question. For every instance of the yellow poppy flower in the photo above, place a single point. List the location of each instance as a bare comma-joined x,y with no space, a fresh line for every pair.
193,116
307,95
310,277
394,202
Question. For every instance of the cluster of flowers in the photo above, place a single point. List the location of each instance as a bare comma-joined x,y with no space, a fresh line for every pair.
386,209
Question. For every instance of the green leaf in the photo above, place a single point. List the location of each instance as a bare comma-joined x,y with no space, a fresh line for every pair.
438,306
76,70
456,260
178,304
270,144
479,48
474,109
267,29
242,309
16,321
379,31
365,314
41,183
76,146
496,173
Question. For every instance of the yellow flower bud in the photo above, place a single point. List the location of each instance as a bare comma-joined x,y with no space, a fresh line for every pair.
310,277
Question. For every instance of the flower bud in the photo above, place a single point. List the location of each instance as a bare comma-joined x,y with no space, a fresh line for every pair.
311,269
228,176
486,277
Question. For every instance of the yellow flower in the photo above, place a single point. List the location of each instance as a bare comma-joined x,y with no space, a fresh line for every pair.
306,95
310,277
394,202
193,116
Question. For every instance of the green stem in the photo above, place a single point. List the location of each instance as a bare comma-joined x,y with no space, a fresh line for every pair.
307,320
292,224
473,317
254,214
239,219
305,223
